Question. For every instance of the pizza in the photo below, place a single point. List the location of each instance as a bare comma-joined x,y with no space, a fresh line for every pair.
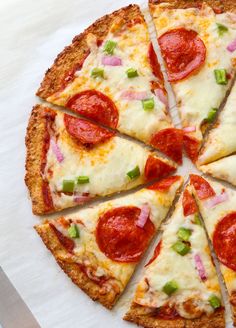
110,74
179,285
99,247
197,44
71,160
217,205
217,156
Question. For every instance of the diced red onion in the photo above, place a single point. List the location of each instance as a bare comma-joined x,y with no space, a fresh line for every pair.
111,61
134,95
213,201
200,267
189,129
81,199
56,150
143,216
161,96
232,46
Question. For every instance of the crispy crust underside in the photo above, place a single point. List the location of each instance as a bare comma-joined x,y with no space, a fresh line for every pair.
138,315
75,52
34,141
72,269
223,5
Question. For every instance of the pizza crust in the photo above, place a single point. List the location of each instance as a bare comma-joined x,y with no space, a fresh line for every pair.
75,53
34,142
221,5
73,270
138,315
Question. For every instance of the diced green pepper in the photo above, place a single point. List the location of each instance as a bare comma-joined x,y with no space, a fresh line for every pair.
221,29
82,179
214,301
197,219
181,248
73,231
97,72
148,104
184,233
221,76
211,115
68,185
134,173
170,287
109,47
131,72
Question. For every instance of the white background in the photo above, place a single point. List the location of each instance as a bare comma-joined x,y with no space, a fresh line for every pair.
32,33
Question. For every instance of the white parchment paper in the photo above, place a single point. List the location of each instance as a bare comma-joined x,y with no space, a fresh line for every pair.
32,33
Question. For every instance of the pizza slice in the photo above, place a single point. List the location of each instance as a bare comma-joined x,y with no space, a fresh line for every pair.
197,43
217,206
224,169
71,160
99,247
110,74
179,286
221,140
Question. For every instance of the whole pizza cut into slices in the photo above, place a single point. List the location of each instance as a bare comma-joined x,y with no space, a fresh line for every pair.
198,46
71,160
217,206
110,74
179,286
99,247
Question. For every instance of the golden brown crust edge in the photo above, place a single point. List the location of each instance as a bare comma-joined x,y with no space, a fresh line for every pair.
137,315
72,269
217,5
34,142
74,53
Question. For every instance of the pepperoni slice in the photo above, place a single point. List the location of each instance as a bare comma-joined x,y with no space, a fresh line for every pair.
156,168
66,242
183,51
155,254
118,236
167,312
224,240
170,142
85,132
96,106
47,197
165,184
154,63
191,146
188,203
202,187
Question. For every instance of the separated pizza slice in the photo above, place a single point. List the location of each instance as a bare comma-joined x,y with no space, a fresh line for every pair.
198,47
110,74
221,140
179,286
224,169
217,206
71,160
99,247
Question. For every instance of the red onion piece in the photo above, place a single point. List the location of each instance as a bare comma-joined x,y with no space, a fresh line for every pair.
143,216
213,201
81,199
134,95
161,96
200,267
56,150
232,46
189,129
111,61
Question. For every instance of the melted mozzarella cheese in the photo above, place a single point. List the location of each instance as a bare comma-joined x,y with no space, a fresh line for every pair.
221,140
224,169
106,165
212,216
132,48
198,93
87,250
171,266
